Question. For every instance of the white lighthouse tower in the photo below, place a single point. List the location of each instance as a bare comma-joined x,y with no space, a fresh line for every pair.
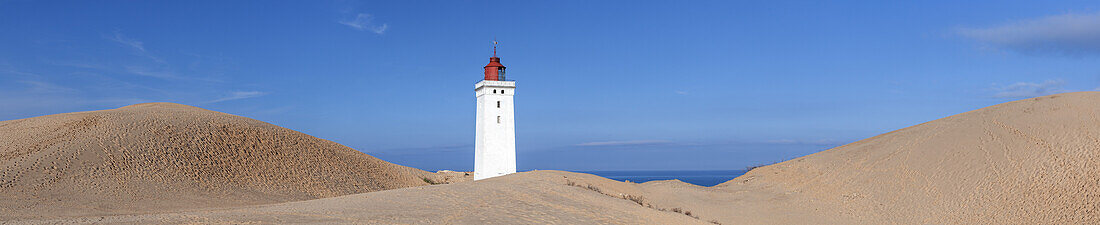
495,147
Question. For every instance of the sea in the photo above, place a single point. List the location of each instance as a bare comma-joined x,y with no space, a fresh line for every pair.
697,177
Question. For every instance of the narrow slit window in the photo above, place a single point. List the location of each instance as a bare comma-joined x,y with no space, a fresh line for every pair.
498,119
498,104
494,91
502,91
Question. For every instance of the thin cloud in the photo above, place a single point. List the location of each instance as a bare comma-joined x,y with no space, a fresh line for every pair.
237,95
623,143
165,74
24,105
1068,34
7,69
363,21
1029,89
142,71
45,87
122,39
136,45
81,65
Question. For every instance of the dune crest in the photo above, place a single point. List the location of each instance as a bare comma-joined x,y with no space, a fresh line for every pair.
156,157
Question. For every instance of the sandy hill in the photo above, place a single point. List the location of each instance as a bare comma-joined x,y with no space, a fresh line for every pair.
160,157
1032,161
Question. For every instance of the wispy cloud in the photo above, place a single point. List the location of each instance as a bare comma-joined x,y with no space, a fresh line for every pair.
1069,34
624,143
681,92
1029,89
81,65
363,21
33,95
147,71
8,69
237,95
122,39
143,71
42,87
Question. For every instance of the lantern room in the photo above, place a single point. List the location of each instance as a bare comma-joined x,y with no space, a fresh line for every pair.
495,70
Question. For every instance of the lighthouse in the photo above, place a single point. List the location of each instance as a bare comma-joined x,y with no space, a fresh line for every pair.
495,144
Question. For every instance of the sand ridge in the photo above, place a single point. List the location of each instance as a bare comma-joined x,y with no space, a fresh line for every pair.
159,157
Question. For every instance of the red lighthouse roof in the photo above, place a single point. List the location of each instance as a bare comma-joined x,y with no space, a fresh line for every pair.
495,70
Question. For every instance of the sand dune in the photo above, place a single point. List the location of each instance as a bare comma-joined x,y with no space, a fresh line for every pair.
168,157
1032,161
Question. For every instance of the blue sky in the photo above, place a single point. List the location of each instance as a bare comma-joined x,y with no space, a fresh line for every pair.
629,85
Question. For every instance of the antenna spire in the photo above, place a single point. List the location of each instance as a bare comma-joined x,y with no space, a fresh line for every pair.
495,44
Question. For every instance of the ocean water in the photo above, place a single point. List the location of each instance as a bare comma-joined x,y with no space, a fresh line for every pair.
697,177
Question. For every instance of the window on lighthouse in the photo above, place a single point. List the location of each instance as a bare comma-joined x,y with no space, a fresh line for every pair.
498,119
498,104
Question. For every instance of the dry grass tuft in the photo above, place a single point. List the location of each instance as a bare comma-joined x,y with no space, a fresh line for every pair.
640,200
594,188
